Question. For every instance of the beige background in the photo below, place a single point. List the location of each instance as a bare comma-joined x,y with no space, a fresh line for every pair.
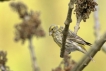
47,52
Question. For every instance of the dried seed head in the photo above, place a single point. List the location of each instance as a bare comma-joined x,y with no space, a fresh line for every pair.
20,8
84,8
29,27
3,58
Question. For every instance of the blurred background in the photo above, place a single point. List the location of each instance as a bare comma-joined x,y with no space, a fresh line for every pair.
47,52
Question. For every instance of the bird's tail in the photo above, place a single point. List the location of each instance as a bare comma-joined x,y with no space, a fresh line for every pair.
87,43
83,50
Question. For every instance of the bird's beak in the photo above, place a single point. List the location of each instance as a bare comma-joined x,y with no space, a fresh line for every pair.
50,33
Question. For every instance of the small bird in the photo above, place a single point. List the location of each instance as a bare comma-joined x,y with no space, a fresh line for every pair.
73,41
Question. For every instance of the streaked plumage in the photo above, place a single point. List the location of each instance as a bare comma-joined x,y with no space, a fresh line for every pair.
73,37
73,41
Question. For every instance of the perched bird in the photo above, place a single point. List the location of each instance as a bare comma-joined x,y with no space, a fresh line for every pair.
73,41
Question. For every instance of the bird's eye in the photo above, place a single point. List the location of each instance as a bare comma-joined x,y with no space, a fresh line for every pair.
52,29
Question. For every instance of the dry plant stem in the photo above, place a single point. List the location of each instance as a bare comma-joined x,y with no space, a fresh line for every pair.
33,57
97,23
67,23
92,52
2,68
97,26
77,27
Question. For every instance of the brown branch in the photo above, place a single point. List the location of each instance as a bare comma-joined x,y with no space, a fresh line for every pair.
67,23
92,52
33,57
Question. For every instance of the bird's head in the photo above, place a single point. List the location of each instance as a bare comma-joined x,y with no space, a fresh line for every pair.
53,29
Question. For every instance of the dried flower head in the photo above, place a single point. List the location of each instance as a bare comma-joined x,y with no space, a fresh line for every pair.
20,8
3,61
29,27
84,8
3,58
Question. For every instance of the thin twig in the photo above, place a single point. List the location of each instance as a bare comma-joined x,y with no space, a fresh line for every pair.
97,23
29,27
97,26
104,48
31,48
33,57
77,27
67,24
92,52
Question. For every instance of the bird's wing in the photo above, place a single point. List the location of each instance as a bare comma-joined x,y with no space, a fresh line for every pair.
76,40
73,37
83,41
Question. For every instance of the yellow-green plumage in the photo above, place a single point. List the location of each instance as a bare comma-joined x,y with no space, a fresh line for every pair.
73,41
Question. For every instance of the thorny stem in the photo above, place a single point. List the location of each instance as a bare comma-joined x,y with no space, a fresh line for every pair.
92,52
33,57
67,24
